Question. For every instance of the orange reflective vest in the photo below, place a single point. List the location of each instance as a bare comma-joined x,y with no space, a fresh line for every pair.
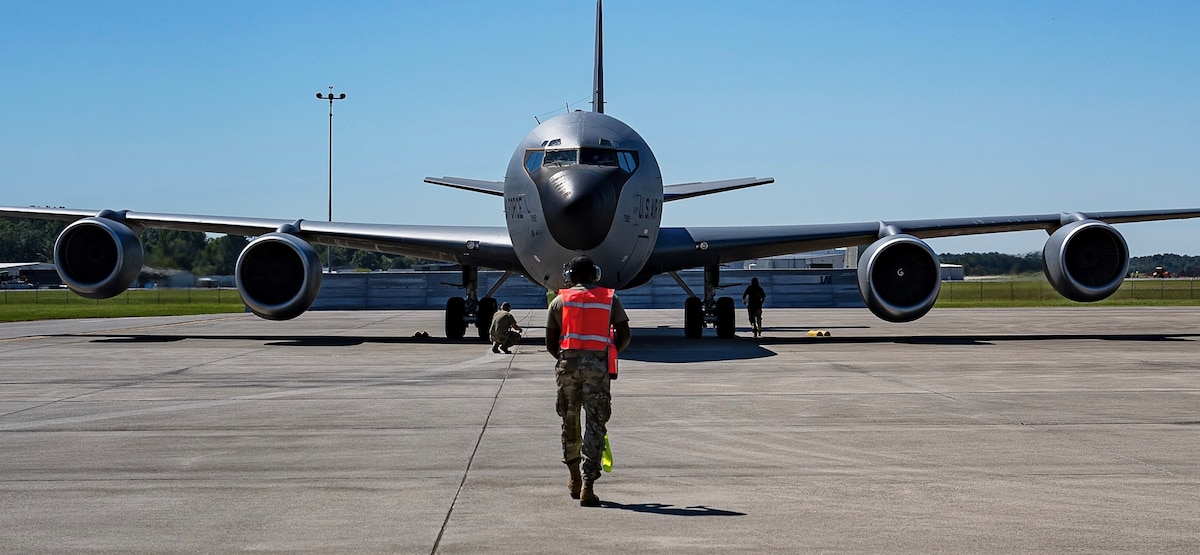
585,319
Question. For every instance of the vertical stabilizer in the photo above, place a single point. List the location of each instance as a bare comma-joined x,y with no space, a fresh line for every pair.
598,77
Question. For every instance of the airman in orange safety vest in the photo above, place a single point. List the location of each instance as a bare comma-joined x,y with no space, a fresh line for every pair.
585,327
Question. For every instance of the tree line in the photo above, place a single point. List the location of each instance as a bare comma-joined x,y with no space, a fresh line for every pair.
1000,264
28,240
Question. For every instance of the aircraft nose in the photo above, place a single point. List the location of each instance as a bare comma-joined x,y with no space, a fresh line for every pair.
580,203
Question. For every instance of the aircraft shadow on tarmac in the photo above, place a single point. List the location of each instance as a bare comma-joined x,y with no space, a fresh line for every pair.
670,510
666,345
138,339
976,339
273,340
651,345
661,345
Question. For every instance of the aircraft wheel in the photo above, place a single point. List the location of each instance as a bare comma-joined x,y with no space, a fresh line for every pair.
725,317
487,309
693,318
456,309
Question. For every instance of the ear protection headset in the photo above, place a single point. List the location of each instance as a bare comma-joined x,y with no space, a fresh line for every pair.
568,274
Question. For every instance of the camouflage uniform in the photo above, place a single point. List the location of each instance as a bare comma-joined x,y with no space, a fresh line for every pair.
583,383
503,336
582,378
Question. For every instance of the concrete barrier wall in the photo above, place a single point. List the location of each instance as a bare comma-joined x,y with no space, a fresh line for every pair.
785,288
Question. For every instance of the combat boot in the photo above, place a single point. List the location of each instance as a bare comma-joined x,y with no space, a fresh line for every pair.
576,480
587,497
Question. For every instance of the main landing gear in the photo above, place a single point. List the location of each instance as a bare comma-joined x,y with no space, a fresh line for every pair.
700,313
461,312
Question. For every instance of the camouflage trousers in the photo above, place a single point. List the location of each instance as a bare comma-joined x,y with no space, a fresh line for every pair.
507,340
755,314
583,384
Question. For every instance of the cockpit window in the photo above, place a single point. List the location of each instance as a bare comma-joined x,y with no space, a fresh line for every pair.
533,160
598,156
536,158
561,157
628,160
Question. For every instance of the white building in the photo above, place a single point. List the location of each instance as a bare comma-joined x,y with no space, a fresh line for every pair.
837,259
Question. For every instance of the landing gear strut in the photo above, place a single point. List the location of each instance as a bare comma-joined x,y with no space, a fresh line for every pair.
700,313
461,312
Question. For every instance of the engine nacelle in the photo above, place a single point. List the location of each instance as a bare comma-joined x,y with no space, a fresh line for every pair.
97,257
899,278
1086,260
278,276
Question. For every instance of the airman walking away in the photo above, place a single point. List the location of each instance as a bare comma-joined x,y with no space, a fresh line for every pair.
753,299
578,325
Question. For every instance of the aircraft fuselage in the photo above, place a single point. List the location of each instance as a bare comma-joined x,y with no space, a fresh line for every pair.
583,183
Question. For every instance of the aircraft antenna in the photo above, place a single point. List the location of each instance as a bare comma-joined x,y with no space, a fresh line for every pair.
539,117
598,78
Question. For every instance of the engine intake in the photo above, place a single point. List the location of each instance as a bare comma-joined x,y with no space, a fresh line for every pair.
1086,260
278,276
899,278
97,257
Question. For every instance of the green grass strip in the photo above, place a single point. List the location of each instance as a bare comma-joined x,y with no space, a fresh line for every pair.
48,304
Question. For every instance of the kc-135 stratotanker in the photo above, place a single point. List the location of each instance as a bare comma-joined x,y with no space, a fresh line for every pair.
586,183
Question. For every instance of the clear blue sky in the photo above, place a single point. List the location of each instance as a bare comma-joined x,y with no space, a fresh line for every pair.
860,110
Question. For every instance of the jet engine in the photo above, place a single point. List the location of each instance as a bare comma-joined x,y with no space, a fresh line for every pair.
278,276
899,277
98,257
1086,260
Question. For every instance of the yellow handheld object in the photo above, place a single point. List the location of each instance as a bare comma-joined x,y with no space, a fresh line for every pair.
606,458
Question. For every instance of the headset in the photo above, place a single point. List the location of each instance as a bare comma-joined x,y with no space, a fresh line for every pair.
567,274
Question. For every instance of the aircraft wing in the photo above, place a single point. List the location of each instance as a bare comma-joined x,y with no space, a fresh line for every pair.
476,185
679,191
481,246
680,248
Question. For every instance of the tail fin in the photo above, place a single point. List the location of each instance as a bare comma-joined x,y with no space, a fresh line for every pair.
598,77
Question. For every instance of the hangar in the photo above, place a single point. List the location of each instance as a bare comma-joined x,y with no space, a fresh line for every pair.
32,273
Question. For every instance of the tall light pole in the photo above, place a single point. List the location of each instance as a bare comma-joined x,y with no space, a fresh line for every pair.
330,97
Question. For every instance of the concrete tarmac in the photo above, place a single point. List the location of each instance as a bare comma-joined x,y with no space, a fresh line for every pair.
968,431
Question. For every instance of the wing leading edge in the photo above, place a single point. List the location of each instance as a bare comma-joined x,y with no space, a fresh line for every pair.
481,246
680,191
479,186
